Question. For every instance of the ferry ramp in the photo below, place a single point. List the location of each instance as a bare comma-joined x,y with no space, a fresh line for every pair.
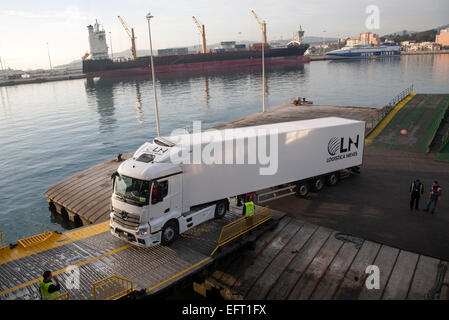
421,115
90,254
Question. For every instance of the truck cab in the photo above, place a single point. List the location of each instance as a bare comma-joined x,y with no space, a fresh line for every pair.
147,200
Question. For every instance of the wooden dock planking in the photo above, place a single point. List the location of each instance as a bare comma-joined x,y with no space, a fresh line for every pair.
269,252
444,295
401,276
335,273
86,194
271,274
421,281
310,278
299,263
78,187
81,197
354,279
231,274
77,180
385,260
313,264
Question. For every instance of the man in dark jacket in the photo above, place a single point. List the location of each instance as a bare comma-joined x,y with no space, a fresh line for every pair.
416,190
435,196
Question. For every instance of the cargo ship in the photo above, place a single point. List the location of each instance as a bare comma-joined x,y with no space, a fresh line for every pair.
362,50
99,64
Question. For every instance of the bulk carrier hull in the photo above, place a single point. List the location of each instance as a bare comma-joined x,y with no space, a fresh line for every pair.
195,62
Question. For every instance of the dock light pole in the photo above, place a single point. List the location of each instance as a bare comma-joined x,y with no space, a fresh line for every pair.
324,39
1,66
49,59
263,72
110,41
149,16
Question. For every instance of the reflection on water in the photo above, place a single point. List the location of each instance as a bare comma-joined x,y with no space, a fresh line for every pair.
206,91
102,96
139,113
4,96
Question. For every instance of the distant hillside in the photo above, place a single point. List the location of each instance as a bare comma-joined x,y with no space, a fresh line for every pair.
428,35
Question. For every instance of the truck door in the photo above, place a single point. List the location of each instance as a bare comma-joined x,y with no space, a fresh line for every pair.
160,200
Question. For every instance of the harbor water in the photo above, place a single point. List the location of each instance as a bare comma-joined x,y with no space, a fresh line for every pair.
53,130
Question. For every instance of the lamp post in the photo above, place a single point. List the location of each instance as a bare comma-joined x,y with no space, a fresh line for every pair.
1,65
110,41
149,16
324,39
49,59
263,70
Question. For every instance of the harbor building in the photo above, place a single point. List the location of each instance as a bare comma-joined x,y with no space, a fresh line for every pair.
443,38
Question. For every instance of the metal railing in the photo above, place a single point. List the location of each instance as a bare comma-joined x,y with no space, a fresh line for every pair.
382,113
242,225
62,296
111,288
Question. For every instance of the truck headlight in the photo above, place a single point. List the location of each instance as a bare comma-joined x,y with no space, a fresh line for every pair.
143,231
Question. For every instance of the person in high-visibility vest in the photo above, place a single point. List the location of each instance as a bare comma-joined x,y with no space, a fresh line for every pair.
416,190
248,208
435,196
47,288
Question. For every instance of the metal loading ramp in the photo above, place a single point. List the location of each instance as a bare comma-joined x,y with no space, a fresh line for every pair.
95,255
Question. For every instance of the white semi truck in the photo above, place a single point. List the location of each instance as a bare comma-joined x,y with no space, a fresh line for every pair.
177,182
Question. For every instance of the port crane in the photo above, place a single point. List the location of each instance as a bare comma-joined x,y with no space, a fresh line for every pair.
131,35
263,27
202,30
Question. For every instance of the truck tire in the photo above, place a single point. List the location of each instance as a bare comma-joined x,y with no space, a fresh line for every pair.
332,179
302,189
318,184
169,232
220,209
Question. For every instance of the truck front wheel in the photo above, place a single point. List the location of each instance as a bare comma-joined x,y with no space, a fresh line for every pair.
220,209
169,232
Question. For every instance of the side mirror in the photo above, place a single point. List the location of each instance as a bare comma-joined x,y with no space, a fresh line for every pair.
115,174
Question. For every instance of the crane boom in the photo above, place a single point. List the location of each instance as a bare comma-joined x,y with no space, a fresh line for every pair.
131,35
202,30
263,27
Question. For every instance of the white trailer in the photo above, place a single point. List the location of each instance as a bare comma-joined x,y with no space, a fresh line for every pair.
175,183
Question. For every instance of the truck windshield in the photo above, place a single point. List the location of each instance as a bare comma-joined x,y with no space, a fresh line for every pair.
135,190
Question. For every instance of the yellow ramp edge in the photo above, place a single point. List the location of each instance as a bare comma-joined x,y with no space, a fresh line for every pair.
49,240
385,121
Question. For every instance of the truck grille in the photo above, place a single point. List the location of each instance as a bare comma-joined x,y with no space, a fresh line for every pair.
125,219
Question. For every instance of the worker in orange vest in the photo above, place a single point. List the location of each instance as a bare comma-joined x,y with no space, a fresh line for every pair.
435,196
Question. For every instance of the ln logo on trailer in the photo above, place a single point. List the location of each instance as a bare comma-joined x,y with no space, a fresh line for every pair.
341,148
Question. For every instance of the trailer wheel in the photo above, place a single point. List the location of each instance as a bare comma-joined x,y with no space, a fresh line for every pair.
169,232
318,184
220,209
302,189
332,179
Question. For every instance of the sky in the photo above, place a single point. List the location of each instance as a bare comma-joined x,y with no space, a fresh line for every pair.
27,26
